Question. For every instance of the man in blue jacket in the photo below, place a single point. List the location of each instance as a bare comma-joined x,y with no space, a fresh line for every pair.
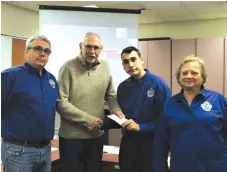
28,103
141,98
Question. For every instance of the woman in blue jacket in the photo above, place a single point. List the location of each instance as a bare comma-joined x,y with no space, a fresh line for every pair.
193,125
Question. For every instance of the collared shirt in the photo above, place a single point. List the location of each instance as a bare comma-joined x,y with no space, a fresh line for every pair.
196,134
28,104
142,100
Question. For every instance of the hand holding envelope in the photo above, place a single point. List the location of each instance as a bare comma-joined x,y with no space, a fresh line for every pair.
130,125
118,120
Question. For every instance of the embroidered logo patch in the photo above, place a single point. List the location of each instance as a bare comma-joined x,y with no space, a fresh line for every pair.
150,92
206,106
52,83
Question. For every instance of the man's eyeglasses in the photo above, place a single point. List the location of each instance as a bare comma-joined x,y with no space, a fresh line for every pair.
39,49
89,47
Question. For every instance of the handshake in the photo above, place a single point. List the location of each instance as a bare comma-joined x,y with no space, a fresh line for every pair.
98,122
96,125
129,125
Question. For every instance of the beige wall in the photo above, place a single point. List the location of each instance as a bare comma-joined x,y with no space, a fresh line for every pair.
18,22
182,30
24,23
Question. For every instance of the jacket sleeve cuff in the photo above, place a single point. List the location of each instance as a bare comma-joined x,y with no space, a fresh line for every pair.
148,127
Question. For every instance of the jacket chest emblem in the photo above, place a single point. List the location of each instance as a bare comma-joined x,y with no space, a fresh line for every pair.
52,83
206,106
150,92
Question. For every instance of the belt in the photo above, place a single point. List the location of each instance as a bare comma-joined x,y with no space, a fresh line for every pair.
28,143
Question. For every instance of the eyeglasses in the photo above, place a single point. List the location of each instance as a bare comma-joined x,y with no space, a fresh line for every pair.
39,49
89,47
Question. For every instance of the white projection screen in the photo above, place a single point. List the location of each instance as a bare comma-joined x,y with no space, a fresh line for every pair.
6,52
66,29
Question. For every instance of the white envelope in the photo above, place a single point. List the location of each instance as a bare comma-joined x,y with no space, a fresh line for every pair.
117,119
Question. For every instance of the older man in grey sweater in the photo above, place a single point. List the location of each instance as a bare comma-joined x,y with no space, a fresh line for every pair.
84,83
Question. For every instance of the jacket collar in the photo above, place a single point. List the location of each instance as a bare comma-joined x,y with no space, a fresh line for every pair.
145,76
180,96
33,70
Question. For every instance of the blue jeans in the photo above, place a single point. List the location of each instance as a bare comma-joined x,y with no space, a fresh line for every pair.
17,158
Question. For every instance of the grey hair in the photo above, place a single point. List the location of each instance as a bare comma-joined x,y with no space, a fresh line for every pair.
92,33
33,38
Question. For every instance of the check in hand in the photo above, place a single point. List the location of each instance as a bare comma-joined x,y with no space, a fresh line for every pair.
120,114
97,123
131,125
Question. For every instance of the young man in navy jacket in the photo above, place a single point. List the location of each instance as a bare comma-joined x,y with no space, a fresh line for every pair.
141,98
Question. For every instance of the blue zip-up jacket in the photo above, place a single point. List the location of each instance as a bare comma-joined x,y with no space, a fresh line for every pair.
196,135
142,100
28,104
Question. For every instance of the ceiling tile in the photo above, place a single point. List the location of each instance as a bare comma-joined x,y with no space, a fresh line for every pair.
34,5
159,4
158,11
196,2
129,5
202,8
148,17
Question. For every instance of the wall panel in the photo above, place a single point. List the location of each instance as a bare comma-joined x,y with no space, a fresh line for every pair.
115,137
159,59
211,50
143,50
18,51
180,49
225,79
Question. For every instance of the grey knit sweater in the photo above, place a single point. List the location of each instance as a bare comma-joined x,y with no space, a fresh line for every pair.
82,91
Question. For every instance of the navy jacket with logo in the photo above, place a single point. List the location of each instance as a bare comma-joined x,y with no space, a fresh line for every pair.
142,100
196,134
28,104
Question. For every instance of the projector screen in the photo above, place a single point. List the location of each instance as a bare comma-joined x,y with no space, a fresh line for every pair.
66,29
6,52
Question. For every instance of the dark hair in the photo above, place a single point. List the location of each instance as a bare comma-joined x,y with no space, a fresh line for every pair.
129,49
